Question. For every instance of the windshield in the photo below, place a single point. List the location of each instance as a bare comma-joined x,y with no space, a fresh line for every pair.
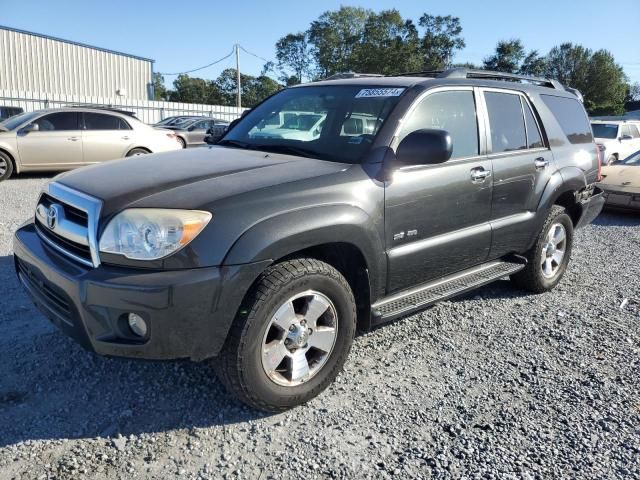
337,123
605,130
630,160
14,122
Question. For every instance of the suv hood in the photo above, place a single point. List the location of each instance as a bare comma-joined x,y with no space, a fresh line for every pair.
190,179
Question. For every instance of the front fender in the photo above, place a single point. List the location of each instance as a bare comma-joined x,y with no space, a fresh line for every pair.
289,232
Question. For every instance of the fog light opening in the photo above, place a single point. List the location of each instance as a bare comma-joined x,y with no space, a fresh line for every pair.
137,325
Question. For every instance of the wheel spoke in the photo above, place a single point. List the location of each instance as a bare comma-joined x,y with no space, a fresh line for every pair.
315,308
547,267
273,354
299,366
559,236
322,338
285,316
557,256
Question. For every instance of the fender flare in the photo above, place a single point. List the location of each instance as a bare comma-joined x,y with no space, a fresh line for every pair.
568,179
286,233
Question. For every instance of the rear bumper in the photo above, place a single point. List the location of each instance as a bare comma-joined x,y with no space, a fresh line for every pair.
622,200
591,207
188,312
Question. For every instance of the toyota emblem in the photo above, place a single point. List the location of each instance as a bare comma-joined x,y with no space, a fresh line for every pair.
53,215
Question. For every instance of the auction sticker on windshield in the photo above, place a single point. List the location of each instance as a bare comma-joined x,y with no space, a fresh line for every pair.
379,92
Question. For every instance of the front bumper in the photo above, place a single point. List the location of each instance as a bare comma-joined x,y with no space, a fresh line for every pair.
188,312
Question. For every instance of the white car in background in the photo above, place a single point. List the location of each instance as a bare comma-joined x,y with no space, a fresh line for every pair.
620,138
66,138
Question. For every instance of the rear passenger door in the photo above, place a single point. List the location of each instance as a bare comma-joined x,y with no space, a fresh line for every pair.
105,137
522,165
437,216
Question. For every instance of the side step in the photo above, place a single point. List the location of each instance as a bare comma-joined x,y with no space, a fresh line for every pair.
418,298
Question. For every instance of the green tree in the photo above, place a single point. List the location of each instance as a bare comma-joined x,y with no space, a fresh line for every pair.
293,54
334,36
389,45
534,65
253,89
160,92
442,37
569,64
507,57
195,90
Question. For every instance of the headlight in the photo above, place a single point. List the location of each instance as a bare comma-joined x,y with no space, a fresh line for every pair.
151,233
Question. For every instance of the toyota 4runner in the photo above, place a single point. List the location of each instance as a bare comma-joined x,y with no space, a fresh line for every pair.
267,252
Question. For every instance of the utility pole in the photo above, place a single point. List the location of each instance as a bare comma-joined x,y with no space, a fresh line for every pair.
239,95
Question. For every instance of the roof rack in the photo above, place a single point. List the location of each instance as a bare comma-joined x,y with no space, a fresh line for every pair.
485,74
103,107
340,76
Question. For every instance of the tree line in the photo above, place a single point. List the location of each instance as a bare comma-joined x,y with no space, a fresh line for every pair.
354,39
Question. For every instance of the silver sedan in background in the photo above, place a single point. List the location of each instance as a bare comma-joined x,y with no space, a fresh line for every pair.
191,133
66,138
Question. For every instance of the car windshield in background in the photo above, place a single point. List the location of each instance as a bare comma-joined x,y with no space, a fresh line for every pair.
337,123
14,122
604,130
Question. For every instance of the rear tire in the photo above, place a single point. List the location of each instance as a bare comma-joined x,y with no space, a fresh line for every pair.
134,152
549,257
279,353
182,142
6,166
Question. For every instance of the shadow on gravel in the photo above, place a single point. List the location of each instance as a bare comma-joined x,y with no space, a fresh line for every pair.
616,218
50,388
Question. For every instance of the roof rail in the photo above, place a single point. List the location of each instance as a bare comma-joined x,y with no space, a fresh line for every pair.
340,76
103,107
492,75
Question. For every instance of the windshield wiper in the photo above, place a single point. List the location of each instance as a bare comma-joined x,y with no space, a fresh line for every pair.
301,152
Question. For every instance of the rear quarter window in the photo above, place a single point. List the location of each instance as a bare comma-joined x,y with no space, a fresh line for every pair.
572,118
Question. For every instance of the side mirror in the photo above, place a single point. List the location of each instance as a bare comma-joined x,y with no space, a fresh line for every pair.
626,137
32,127
425,147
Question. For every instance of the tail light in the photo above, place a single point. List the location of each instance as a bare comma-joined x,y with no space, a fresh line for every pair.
600,154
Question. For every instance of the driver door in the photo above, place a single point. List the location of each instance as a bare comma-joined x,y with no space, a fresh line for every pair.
437,216
56,145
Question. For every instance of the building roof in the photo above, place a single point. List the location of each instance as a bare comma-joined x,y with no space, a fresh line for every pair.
79,44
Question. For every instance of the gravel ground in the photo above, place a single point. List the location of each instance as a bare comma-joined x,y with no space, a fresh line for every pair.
496,384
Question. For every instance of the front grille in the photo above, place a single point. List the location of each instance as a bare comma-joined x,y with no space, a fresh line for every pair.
50,299
65,220
72,213
77,249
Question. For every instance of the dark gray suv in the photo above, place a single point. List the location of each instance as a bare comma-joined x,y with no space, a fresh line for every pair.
331,207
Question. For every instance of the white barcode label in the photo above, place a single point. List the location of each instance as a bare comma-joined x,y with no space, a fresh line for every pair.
379,92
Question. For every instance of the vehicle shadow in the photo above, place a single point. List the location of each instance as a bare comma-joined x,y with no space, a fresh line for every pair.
617,218
50,388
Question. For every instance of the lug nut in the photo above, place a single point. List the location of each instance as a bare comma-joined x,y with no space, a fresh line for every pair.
292,328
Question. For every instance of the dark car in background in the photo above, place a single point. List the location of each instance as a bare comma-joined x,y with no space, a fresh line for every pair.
192,132
216,132
8,112
175,120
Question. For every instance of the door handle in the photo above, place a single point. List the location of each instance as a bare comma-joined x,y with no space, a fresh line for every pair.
479,175
73,139
126,137
541,163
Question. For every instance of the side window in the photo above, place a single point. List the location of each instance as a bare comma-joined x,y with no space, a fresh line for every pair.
634,131
453,111
626,130
505,122
58,122
534,139
101,121
571,116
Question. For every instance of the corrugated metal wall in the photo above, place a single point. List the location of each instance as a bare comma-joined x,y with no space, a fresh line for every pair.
35,63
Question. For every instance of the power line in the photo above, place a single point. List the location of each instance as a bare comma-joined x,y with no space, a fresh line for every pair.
254,55
202,68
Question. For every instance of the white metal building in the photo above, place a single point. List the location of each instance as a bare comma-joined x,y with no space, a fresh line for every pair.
31,62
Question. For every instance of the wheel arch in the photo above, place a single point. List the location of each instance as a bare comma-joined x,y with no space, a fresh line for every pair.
146,149
561,190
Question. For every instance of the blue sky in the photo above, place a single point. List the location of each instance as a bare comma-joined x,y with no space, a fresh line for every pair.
183,35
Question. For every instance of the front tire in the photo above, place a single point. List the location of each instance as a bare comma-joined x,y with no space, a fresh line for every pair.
291,336
6,166
549,257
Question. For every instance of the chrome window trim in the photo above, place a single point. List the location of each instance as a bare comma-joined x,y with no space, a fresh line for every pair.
88,204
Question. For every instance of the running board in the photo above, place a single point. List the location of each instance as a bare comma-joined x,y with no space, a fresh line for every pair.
418,298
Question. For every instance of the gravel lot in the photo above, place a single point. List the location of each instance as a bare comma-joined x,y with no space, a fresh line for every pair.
496,384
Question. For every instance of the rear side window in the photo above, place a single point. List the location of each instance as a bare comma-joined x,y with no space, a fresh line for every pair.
506,122
534,139
634,131
453,111
571,116
101,121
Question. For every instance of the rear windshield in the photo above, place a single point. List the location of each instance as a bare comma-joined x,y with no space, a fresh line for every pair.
572,118
605,130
